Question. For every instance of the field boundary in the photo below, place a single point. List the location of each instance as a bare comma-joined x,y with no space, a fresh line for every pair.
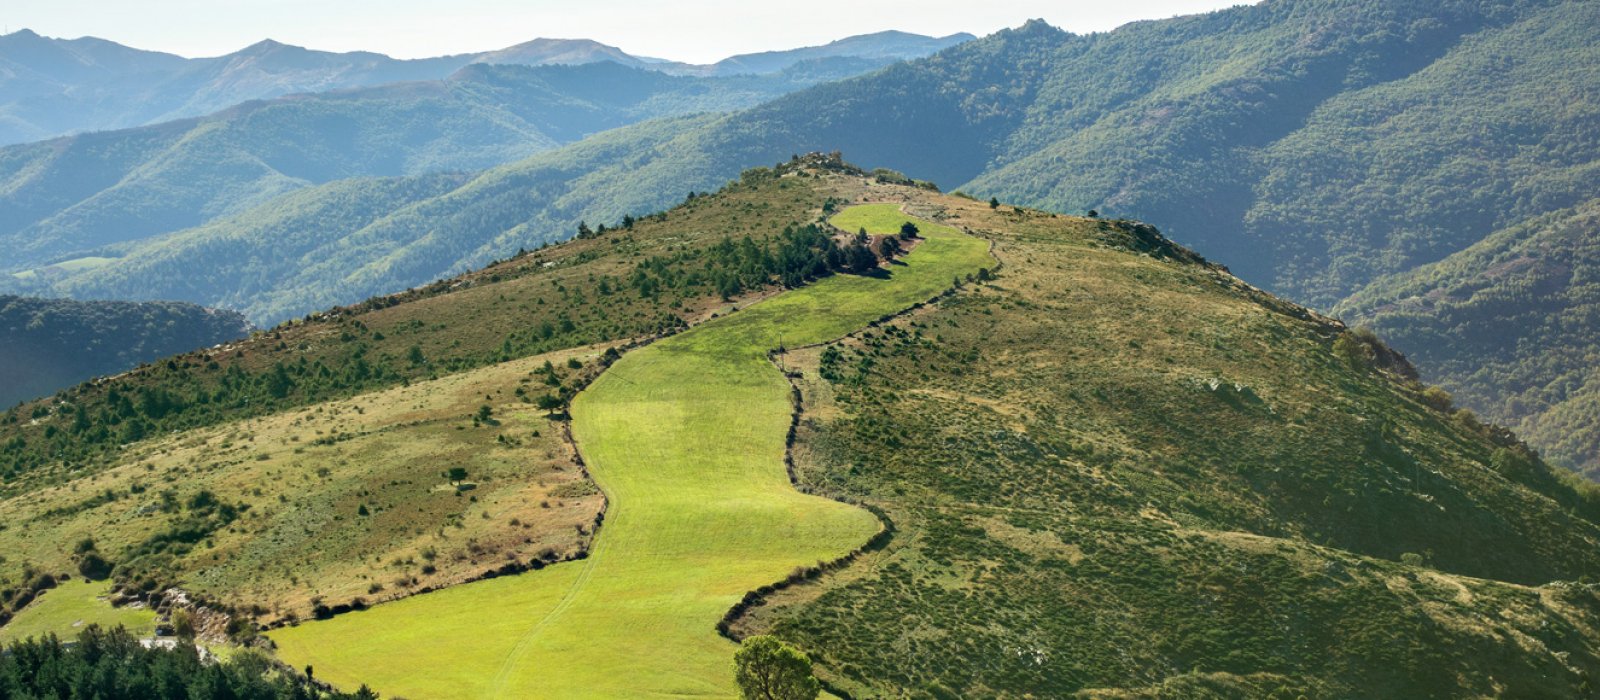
887,529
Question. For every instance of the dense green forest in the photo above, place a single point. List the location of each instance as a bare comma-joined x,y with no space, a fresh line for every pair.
113,664
51,344
1510,323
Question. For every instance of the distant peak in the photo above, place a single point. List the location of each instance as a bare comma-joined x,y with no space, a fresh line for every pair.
22,35
1036,26
265,46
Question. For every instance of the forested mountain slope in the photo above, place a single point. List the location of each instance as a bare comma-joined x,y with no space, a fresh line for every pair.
1510,322
50,344
74,196
1111,467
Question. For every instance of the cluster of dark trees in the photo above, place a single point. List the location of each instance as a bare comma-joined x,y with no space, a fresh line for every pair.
113,664
797,256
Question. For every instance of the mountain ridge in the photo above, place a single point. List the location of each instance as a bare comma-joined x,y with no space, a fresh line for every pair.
1112,469
54,87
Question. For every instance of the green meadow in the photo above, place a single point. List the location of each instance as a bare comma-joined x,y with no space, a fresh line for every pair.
70,607
686,438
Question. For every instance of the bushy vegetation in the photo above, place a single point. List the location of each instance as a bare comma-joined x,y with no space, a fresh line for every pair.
113,664
51,344
768,669
1115,473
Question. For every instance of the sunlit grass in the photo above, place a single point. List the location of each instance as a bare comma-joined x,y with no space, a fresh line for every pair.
686,437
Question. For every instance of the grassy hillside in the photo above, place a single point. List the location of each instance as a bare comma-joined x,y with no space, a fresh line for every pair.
630,281
236,470
686,437
1117,471
1508,325
1313,146
51,344
1112,469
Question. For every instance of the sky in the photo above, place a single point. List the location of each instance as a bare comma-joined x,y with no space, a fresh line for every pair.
696,31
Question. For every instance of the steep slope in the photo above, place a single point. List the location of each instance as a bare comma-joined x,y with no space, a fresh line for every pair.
50,344
1509,325
1115,469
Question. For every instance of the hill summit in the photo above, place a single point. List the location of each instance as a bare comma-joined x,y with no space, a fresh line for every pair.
1035,453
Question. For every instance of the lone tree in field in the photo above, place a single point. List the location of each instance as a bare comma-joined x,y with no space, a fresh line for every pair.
551,404
457,475
768,669
994,202
908,231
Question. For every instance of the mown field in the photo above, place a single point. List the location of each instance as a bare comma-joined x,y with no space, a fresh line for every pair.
686,437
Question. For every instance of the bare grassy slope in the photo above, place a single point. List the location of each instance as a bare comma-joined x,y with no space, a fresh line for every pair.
1118,471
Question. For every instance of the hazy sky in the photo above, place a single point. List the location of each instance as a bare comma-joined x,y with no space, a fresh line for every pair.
687,30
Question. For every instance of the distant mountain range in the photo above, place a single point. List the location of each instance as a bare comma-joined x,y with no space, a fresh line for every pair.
72,197
52,87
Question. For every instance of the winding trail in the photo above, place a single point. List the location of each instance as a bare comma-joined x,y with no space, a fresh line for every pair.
686,437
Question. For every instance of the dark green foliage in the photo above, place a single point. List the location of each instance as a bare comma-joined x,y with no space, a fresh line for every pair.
1508,327
550,403
768,669
49,344
188,526
112,664
798,255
